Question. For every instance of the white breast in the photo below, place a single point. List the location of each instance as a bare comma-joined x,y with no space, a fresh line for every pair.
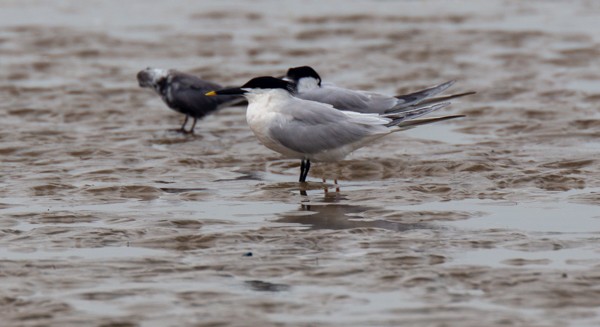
264,112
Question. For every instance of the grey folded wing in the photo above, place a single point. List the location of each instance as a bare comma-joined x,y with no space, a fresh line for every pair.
188,91
415,98
312,129
345,99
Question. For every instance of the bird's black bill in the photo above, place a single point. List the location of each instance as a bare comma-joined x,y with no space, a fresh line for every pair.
232,91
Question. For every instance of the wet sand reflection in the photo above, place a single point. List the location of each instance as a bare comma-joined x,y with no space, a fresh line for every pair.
332,212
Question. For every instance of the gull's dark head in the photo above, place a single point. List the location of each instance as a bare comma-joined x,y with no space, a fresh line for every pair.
152,77
297,74
267,82
257,85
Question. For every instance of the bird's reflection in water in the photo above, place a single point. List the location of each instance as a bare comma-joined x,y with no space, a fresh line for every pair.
330,213
324,186
262,286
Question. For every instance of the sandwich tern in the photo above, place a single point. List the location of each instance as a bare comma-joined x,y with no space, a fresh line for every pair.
315,131
184,93
310,87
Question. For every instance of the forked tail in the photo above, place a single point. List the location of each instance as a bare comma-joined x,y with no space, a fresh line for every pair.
410,99
408,118
424,98
422,121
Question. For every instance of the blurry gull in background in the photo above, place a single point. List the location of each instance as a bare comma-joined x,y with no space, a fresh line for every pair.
184,93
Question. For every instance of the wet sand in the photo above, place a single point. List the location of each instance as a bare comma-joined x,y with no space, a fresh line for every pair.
108,218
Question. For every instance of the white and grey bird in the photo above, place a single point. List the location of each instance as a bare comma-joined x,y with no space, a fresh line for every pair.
315,131
310,87
184,93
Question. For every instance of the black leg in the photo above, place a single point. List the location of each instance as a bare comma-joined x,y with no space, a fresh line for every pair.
184,122
304,168
302,171
193,125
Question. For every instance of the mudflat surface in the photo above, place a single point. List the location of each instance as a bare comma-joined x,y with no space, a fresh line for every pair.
109,218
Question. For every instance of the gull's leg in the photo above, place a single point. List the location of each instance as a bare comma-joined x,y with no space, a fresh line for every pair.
193,125
183,125
304,168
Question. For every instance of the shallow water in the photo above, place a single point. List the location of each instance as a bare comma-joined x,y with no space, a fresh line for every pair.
108,218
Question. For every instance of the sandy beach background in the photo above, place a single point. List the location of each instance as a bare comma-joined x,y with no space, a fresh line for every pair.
108,218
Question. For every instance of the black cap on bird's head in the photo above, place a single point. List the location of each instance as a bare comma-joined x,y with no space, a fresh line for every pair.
263,82
267,82
296,73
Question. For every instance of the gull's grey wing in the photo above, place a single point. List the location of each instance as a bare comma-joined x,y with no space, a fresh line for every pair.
371,102
422,121
414,113
314,127
194,82
414,98
345,99
430,101
187,95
